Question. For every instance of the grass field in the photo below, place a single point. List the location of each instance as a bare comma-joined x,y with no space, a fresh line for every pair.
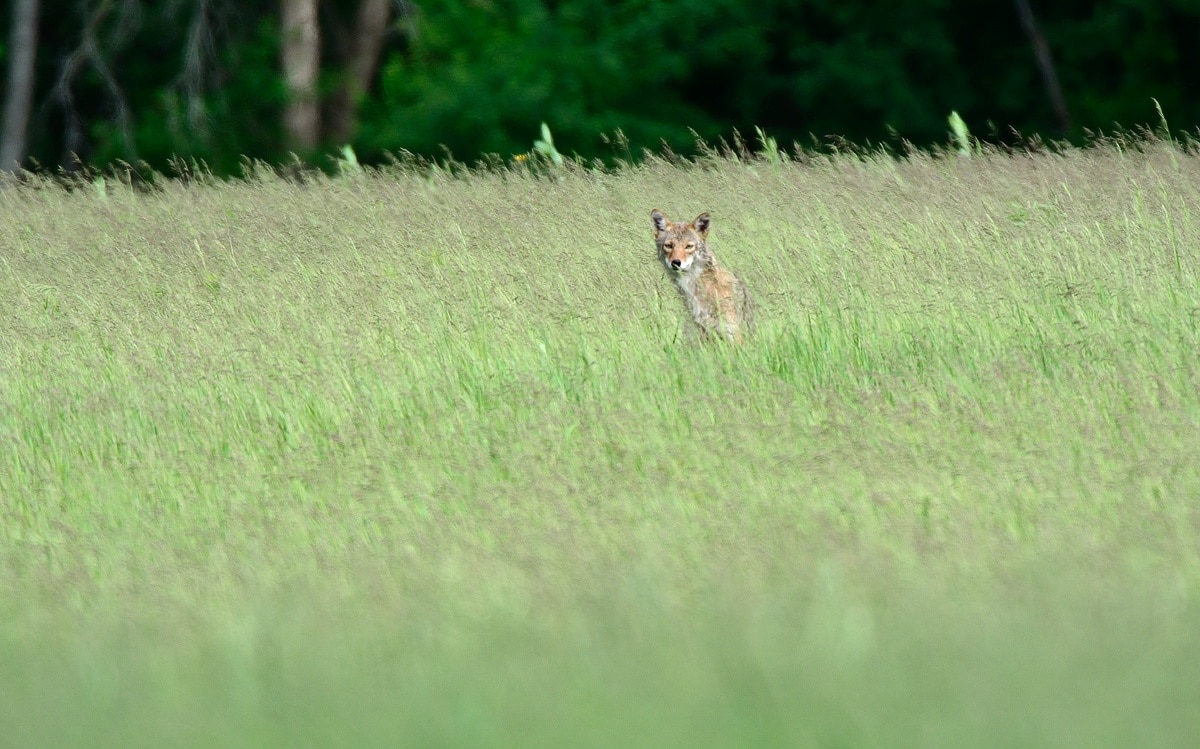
406,459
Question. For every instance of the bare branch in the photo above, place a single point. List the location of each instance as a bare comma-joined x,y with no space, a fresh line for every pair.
90,55
199,49
1045,63
200,71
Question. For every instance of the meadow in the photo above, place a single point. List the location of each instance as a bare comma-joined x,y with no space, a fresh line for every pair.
416,457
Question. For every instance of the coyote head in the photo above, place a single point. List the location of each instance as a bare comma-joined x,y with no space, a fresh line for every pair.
681,244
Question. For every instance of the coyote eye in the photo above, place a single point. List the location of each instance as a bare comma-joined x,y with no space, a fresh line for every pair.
691,245
669,245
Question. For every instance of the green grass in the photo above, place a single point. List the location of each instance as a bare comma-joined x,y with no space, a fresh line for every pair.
403,459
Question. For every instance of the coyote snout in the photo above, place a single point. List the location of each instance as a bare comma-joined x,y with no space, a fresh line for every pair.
716,298
676,261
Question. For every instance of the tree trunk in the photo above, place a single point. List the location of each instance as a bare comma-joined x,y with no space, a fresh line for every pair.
1045,63
301,56
366,44
19,91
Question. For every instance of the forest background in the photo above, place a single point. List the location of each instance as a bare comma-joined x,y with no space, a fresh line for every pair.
216,81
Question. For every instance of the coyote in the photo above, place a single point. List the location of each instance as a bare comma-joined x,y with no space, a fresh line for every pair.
716,298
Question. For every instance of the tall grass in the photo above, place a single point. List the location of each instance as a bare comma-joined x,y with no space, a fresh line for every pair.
408,458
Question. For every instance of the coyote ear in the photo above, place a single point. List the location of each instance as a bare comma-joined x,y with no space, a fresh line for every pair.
660,221
701,224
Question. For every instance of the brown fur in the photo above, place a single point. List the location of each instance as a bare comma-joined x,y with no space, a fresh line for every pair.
717,300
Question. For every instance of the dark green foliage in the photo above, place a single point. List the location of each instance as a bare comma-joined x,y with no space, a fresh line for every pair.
479,77
482,79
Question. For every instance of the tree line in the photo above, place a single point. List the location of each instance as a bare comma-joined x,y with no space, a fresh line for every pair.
215,81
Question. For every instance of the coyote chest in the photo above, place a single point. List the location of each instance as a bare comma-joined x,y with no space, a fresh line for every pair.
716,299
